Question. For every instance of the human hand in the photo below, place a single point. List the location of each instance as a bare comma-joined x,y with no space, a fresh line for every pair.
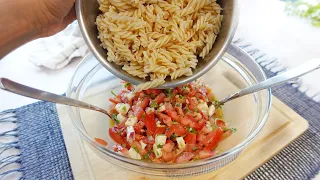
48,17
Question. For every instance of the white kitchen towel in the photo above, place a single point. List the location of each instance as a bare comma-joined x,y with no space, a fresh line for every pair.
57,51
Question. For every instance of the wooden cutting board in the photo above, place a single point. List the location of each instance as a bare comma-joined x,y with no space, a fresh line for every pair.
283,126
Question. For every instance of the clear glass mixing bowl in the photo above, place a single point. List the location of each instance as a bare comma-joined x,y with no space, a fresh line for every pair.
93,84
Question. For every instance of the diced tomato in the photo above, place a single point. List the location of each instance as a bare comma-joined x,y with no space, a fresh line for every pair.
138,126
168,147
201,137
173,114
186,121
139,147
125,152
206,130
191,148
211,97
160,98
179,110
226,134
177,129
138,112
165,118
116,137
168,156
101,141
213,138
190,138
153,91
160,130
113,100
179,89
122,124
113,111
220,123
202,123
192,107
205,154
151,122
139,137
205,117
184,157
144,103
168,107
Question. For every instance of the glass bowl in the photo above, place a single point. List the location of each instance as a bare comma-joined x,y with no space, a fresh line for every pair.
92,83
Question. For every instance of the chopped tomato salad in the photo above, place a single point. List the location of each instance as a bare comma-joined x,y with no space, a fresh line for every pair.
167,126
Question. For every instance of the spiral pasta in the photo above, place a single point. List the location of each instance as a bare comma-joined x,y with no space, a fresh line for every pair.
153,39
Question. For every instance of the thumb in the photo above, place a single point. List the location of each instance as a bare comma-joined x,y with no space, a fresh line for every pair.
59,8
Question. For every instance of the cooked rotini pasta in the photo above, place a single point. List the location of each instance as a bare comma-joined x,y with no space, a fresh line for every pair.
156,39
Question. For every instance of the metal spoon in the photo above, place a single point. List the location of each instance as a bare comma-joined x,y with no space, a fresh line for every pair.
281,78
23,90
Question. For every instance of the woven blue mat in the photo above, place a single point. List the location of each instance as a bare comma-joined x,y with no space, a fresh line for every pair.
44,156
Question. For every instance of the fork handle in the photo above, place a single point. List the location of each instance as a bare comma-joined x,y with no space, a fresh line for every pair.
281,78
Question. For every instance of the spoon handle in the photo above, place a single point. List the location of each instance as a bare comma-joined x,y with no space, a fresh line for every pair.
27,91
281,78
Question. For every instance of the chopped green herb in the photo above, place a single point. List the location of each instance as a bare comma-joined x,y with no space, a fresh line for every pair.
173,136
214,127
114,117
196,158
196,110
177,104
136,149
113,93
154,104
187,109
233,130
159,146
225,129
194,148
146,156
174,122
168,91
182,97
127,84
190,129
143,115
124,108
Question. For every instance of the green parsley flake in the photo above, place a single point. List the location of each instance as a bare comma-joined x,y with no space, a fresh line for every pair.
225,129
114,117
136,149
168,91
124,108
174,122
173,136
159,146
195,148
154,104
146,156
127,84
190,129
113,93
233,130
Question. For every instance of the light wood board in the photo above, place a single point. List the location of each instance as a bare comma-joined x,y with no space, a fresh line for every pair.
283,126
